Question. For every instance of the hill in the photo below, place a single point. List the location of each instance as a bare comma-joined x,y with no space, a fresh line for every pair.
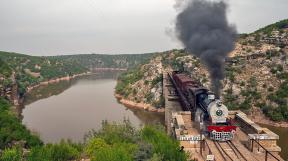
256,75
31,70
92,61
281,25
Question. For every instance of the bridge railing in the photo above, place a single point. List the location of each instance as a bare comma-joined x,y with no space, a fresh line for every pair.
268,154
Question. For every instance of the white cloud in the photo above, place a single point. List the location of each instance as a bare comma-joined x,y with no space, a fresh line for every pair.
49,27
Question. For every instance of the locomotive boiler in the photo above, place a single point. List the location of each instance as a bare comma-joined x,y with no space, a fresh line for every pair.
207,111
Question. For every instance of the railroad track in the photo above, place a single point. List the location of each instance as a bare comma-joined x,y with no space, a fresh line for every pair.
229,152
236,151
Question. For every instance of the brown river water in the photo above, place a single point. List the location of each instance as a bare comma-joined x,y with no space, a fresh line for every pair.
69,109
283,141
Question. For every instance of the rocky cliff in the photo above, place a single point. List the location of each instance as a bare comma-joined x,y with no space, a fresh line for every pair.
256,75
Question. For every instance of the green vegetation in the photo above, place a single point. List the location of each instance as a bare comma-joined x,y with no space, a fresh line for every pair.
278,25
231,72
31,70
163,145
126,79
13,154
12,130
47,67
57,152
107,61
122,142
230,100
5,70
113,142
160,103
280,112
157,80
249,93
167,61
276,106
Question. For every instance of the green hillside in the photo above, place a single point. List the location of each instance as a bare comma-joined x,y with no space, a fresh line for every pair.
30,70
5,70
277,26
106,61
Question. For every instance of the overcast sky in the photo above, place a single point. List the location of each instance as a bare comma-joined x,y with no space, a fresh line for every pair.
53,27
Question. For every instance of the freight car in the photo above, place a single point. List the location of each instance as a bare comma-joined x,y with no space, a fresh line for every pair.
207,111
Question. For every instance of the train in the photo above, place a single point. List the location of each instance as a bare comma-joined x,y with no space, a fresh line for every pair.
207,111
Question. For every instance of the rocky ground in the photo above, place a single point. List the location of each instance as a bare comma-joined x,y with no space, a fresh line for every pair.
256,72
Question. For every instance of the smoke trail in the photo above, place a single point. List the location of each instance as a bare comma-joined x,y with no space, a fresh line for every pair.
203,29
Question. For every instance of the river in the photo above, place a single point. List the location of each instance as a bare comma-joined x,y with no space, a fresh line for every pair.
283,139
69,109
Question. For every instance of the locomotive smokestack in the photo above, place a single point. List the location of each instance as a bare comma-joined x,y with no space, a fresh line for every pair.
203,29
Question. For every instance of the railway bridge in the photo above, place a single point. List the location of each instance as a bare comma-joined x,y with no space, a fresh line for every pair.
250,143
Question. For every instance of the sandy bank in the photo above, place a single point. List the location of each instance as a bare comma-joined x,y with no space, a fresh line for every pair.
56,80
142,106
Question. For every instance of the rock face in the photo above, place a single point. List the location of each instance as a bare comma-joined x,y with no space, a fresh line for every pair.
147,90
256,77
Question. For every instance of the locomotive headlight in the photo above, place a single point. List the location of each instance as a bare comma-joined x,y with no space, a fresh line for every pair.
219,112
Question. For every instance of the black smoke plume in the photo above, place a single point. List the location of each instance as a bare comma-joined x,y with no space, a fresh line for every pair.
202,27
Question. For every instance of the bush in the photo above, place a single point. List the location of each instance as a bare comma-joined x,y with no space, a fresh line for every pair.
126,79
12,129
57,152
270,89
13,154
242,83
115,133
122,142
246,104
162,144
113,142
5,69
157,80
99,150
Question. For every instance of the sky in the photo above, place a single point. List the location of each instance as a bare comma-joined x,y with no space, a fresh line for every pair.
57,27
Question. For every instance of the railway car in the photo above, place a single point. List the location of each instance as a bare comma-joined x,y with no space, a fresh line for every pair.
206,110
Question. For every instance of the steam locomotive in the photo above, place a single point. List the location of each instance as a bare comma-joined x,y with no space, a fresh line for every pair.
207,111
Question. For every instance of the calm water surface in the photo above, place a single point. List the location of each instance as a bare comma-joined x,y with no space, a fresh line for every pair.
283,139
70,109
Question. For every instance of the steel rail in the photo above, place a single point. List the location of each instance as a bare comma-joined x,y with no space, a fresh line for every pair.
217,142
220,151
234,148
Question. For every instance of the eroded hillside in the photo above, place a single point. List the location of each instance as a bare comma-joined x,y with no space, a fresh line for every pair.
256,75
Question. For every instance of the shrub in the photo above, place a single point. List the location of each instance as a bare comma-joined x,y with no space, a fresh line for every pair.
157,80
162,144
13,154
115,133
242,83
12,129
99,150
270,89
57,152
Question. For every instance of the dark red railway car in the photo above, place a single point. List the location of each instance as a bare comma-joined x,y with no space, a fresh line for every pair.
211,114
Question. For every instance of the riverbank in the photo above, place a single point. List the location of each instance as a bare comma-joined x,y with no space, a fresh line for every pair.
56,80
90,98
140,106
258,117
267,121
